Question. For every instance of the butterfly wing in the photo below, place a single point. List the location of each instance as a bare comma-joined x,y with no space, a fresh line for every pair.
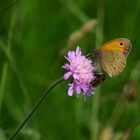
122,45
113,62
112,55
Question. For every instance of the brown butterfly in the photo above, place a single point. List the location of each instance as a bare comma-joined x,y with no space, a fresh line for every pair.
112,55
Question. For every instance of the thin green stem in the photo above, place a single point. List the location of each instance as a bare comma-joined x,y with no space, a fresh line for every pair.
16,72
5,65
2,84
117,112
96,98
127,133
75,10
28,117
122,102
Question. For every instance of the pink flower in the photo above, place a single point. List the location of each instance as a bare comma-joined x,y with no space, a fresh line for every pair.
81,70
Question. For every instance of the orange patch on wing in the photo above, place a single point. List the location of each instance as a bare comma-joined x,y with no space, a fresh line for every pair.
113,46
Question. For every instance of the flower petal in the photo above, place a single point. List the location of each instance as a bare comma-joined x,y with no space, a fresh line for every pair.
75,76
71,89
78,89
67,75
66,66
71,55
78,51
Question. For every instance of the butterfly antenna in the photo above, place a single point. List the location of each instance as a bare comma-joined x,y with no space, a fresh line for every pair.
9,6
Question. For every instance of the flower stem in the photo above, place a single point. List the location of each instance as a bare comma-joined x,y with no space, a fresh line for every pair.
36,106
96,99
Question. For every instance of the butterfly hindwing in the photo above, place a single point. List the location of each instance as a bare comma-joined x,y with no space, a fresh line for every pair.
113,62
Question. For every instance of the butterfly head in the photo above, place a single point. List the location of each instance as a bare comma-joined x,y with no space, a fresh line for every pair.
95,53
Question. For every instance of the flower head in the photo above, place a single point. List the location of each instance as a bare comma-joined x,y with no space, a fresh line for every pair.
81,70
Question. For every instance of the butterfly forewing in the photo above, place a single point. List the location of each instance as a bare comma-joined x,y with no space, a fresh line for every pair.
120,44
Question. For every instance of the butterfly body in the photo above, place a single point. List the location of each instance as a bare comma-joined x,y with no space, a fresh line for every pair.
112,55
99,77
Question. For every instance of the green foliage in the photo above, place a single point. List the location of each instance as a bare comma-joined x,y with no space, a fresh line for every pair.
33,35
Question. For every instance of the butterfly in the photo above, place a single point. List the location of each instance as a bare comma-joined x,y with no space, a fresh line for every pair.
112,55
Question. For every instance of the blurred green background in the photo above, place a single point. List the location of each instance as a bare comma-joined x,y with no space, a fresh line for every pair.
33,37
